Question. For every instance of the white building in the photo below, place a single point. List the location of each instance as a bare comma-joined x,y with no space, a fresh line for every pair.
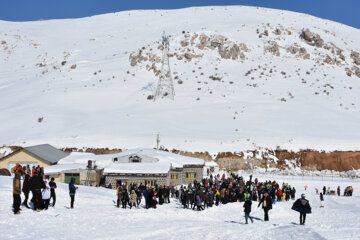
147,166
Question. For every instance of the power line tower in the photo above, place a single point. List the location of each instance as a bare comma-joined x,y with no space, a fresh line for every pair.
165,86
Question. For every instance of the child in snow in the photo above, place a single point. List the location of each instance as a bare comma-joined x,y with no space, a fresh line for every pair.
46,195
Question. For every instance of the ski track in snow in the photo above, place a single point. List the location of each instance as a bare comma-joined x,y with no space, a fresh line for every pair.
96,217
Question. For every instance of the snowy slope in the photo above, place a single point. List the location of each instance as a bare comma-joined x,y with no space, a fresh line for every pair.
71,82
96,217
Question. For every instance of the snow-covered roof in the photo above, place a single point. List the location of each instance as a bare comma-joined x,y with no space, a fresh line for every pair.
165,160
211,164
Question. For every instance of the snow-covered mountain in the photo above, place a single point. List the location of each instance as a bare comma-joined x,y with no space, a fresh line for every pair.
244,77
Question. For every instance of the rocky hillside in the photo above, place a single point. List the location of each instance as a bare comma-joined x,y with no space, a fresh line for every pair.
246,79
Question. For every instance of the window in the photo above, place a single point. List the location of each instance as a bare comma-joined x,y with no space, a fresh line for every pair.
134,159
191,175
174,176
150,183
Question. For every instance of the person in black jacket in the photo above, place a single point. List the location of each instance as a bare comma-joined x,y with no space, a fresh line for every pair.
26,190
36,183
303,207
53,186
266,202
247,210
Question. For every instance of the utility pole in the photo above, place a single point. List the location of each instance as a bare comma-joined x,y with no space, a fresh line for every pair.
157,141
165,86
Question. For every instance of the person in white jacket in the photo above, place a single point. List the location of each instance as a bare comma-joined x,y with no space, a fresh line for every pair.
46,195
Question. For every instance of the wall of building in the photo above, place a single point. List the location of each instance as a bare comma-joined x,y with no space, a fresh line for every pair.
197,170
160,179
23,158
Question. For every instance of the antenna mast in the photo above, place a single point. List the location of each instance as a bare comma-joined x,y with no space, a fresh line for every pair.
165,86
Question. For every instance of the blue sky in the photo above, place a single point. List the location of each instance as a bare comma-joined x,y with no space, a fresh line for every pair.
344,11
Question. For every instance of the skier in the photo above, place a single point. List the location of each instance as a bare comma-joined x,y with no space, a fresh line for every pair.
324,190
53,186
266,205
303,207
72,192
338,190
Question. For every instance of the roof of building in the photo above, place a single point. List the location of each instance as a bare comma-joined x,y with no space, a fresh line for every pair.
47,152
165,160
211,164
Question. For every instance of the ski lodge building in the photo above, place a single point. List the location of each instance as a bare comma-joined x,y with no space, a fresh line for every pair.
151,167
42,155
146,166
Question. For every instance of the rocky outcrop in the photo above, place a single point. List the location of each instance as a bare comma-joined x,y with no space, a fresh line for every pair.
355,56
312,39
298,51
137,58
273,48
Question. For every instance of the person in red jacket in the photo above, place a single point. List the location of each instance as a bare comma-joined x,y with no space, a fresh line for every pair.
279,195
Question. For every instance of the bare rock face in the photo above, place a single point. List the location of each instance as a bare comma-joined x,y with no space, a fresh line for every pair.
277,31
312,39
357,71
273,48
355,56
137,58
348,72
227,49
328,60
231,51
292,49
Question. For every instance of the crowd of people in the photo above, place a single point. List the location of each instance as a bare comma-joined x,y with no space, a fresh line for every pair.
210,192
33,181
214,191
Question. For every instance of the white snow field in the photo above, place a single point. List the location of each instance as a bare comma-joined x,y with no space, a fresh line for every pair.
96,217
70,82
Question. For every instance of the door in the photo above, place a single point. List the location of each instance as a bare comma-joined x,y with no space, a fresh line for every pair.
68,177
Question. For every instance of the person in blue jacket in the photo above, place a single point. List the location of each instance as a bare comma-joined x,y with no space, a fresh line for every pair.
72,191
146,196
303,207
